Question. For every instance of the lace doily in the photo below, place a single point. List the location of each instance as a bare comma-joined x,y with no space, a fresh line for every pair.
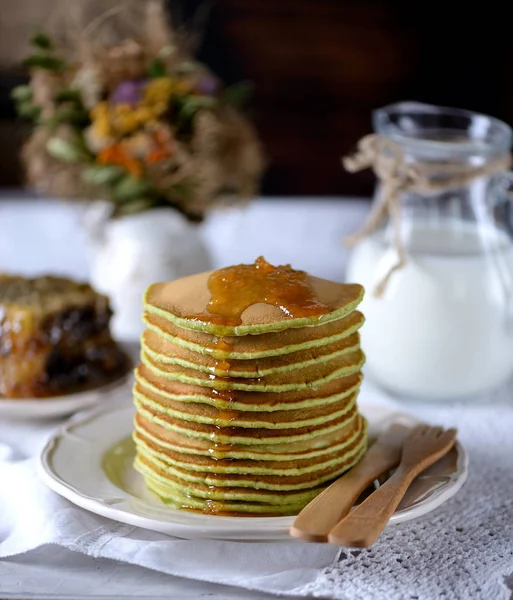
464,549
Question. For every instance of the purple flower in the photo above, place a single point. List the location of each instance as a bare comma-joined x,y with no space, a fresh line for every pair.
207,85
129,91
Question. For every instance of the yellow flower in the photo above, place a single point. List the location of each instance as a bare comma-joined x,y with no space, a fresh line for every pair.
159,109
144,115
124,119
118,120
101,121
182,87
158,93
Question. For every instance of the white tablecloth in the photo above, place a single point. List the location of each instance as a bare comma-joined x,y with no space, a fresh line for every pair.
39,236
417,562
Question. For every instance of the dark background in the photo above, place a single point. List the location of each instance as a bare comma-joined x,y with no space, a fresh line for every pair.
321,66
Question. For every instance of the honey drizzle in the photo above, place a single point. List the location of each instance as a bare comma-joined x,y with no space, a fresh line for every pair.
221,365
234,289
212,507
220,369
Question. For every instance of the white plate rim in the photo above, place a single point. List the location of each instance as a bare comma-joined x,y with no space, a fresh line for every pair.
50,407
208,526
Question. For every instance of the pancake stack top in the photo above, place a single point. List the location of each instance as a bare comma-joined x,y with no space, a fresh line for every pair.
246,391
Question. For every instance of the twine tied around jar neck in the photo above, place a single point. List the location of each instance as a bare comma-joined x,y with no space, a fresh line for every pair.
396,176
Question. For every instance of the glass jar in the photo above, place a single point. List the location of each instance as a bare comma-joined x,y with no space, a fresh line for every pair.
441,329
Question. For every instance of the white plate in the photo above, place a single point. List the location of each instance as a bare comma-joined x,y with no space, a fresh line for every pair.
89,461
61,406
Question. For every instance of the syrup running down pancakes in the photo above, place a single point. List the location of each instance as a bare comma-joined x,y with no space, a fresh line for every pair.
247,388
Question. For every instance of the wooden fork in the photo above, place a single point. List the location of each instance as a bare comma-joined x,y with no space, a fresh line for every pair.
365,523
319,516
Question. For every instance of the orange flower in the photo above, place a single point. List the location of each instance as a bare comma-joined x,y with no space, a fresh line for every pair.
163,145
116,155
162,137
156,155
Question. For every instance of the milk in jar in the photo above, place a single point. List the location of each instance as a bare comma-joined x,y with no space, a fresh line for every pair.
442,328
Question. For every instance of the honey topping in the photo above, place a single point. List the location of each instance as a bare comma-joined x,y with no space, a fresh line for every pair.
226,415
227,395
221,366
219,449
234,289
221,344
212,507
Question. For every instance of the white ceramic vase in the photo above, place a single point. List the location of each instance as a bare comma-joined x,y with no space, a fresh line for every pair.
129,253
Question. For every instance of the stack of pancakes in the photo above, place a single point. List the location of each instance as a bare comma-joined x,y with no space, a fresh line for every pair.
248,419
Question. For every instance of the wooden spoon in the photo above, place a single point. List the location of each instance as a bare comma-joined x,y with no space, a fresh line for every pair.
362,527
316,520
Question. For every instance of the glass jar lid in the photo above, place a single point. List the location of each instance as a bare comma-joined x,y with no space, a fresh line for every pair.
441,133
